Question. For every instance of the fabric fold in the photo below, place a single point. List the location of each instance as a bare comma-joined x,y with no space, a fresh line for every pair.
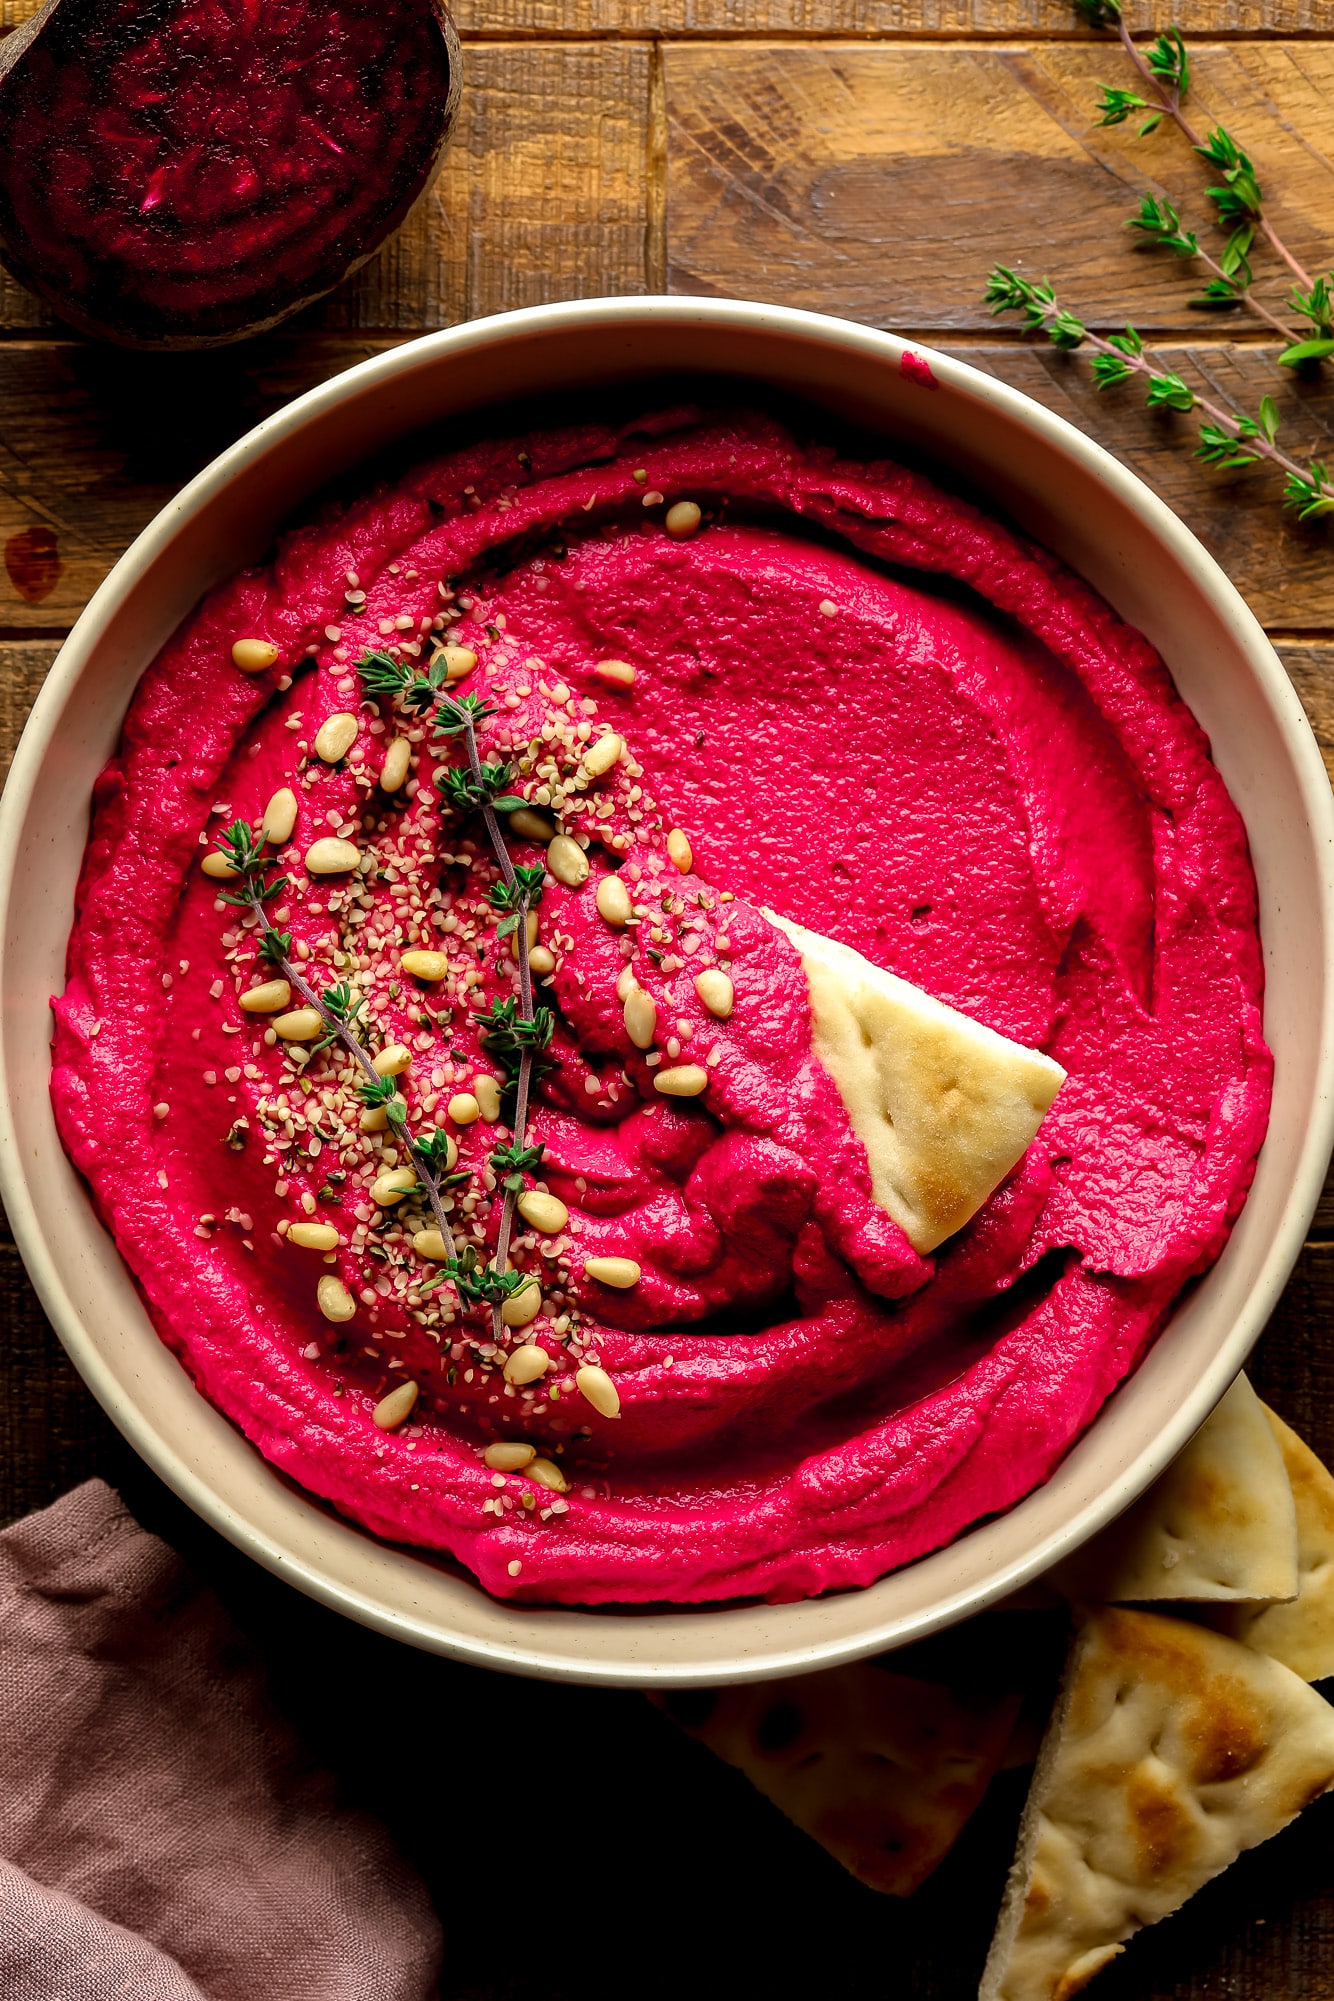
165,1834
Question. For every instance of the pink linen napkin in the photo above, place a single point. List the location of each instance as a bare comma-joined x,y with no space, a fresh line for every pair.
163,1835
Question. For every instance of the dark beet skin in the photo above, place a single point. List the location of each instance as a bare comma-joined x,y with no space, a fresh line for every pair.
185,172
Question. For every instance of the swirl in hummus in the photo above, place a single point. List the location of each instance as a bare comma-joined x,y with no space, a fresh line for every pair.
846,697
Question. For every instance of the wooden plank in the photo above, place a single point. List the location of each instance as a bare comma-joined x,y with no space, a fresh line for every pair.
808,19
812,18
23,668
543,195
94,441
52,1434
883,183
1310,666
1285,571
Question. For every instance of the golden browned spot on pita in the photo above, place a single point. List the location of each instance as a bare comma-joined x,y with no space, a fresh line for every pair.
1077,1977
1162,1831
1226,1734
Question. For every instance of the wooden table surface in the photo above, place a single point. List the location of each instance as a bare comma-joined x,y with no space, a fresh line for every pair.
870,158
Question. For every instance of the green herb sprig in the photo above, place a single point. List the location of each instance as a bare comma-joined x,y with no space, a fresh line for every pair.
514,1031
1163,66
1230,439
340,1011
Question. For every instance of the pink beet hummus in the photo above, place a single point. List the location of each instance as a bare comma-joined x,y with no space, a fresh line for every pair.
868,707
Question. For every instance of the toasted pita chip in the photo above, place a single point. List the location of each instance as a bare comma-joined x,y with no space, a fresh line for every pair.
881,1769
944,1107
1219,1524
1172,1750
1301,1634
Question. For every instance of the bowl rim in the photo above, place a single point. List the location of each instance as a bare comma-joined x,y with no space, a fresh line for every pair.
534,1654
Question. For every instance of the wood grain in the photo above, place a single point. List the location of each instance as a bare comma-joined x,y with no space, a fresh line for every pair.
1310,668
543,195
23,668
93,442
883,183
810,19
814,18
1285,571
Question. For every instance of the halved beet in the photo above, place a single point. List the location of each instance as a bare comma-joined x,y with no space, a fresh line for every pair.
184,172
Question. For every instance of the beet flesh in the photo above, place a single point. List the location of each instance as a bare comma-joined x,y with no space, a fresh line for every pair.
180,173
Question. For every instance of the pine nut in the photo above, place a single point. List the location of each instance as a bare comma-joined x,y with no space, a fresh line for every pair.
546,1213
313,1236
216,864
375,1118
526,1364
641,1017
335,737
267,998
530,926
547,1474
541,960
487,1093
682,519
393,1060
531,825
463,1108
597,1388
396,1408
615,673
431,966
626,984
567,861
716,992
397,764
678,848
621,1273
252,656
509,1456
613,901
600,756
686,1082
523,1305
304,1024
331,857
335,1301
279,822
459,660
393,1186
430,1244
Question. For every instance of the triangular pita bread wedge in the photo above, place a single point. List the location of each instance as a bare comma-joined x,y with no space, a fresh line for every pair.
1301,1634
883,1770
943,1106
1172,1750
1219,1524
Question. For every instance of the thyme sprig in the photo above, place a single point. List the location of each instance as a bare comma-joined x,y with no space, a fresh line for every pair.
514,1032
341,1013
1163,66
1231,439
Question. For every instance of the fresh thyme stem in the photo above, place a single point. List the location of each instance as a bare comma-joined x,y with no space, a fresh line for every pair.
525,1077
1232,440
1246,297
1168,99
517,1031
242,848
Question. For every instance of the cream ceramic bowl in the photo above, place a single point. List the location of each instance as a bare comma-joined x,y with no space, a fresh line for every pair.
1068,494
